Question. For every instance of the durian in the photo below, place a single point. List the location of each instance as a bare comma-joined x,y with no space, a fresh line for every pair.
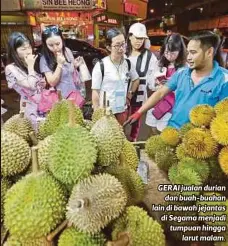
219,128
223,159
5,185
198,143
88,124
19,125
34,206
165,158
15,154
153,145
202,115
98,114
170,136
110,139
131,181
221,107
95,201
129,155
12,241
72,154
185,128
43,153
200,166
59,116
72,237
180,152
139,228
185,176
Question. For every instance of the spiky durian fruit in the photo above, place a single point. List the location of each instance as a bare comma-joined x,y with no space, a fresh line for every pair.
180,152
12,241
131,181
95,201
202,115
153,145
72,237
59,116
185,128
34,206
165,158
214,203
199,143
5,185
170,136
72,154
43,153
88,124
219,128
15,154
139,228
223,159
110,139
200,166
129,155
221,107
98,114
19,125
185,176
217,176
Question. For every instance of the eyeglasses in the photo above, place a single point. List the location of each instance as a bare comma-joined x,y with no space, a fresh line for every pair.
171,53
48,30
119,46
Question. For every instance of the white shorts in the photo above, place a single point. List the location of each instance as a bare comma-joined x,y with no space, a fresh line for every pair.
159,124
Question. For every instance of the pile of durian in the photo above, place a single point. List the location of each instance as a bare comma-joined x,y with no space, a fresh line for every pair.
72,183
196,154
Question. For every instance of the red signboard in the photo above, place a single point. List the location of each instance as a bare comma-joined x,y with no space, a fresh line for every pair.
131,8
223,21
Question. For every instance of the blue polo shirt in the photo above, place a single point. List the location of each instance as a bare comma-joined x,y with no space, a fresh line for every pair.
210,90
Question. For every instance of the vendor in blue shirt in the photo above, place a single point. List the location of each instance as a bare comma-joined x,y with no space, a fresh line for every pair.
204,81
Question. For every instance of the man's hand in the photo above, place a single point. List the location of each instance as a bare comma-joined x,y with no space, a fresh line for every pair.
133,118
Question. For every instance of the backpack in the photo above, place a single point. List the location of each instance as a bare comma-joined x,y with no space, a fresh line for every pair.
102,69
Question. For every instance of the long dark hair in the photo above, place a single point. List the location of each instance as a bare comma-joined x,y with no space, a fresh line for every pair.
210,39
173,42
50,31
16,40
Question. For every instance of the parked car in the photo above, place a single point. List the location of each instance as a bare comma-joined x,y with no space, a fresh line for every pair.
156,41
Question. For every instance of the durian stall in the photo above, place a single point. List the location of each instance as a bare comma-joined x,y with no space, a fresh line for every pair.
76,182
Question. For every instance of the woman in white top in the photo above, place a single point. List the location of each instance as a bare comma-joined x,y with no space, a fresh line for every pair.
114,80
172,57
146,65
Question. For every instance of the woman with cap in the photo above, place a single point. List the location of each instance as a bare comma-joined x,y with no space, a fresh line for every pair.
146,65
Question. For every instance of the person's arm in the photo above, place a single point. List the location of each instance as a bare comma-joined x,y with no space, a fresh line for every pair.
96,85
53,78
29,82
95,99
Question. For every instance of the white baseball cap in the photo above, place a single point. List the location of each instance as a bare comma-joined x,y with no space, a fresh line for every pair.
138,30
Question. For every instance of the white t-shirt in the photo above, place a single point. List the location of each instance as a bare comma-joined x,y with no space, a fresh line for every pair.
115,80
152,68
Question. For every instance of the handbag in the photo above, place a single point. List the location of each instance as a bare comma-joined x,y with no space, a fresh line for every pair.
76,98
164,106
84,73
47,99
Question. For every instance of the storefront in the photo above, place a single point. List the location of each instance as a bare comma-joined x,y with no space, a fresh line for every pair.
119,13
13,20
74,17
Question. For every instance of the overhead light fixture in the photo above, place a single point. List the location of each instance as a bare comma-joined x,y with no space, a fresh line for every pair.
166,4
152,11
